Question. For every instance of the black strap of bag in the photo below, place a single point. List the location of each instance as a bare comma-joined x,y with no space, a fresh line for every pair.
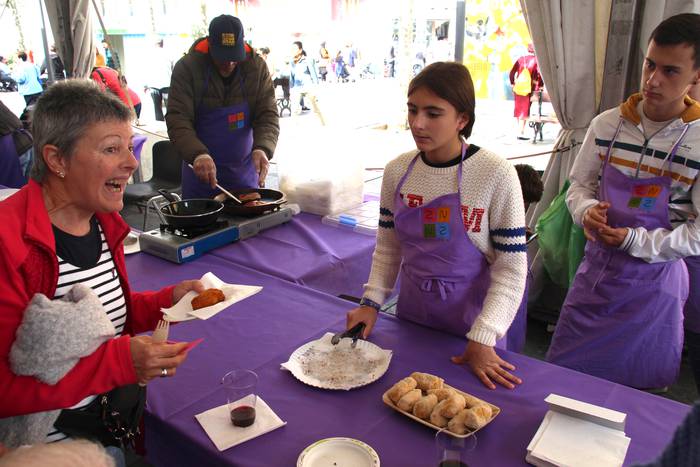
112,418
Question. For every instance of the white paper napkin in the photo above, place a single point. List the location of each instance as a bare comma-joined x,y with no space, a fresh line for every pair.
574,442
182,310
217,424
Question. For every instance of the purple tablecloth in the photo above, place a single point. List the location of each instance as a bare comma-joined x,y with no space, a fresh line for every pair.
262,331
305,251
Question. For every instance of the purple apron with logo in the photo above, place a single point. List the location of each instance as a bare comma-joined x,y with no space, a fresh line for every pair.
228,135
622,319
444,277
692,306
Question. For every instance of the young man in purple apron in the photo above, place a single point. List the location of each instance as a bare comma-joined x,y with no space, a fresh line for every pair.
452,224
622,319
222,114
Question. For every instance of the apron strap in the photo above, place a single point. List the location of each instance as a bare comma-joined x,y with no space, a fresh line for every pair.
606,161
674,149
415,159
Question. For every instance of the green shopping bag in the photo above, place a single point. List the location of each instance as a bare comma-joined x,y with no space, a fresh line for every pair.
561,241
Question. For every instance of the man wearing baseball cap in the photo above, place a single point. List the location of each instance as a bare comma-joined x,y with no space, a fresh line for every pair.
222,114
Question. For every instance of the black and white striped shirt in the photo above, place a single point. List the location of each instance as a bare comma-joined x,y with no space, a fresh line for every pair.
101,277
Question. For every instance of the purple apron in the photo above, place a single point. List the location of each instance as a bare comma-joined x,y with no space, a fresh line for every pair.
444,277
10,170
692,306
228,135
622,318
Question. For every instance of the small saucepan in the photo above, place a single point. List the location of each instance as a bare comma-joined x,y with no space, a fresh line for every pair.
190,213
269,200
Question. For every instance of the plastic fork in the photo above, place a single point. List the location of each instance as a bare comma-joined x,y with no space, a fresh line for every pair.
160,334
355,332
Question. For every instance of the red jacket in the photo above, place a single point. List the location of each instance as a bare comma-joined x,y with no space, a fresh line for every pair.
28,265
108,78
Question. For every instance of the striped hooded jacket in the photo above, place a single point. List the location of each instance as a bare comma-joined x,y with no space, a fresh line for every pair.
633,154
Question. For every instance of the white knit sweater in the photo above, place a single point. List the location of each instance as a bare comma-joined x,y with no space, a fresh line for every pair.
489,182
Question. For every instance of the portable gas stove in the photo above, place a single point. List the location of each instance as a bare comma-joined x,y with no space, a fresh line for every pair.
184,245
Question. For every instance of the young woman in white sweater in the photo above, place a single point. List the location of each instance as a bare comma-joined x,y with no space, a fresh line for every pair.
452,225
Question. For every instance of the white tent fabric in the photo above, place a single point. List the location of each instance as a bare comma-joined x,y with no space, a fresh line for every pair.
71,23
563,34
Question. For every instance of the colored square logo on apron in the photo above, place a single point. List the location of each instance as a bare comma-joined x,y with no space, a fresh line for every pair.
444,214
236,121
428,230
644,197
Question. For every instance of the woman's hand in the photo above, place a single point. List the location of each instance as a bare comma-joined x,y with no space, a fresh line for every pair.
151,359
185,286
362,314
487,365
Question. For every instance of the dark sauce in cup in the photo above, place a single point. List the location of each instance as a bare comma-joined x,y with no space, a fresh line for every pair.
243,416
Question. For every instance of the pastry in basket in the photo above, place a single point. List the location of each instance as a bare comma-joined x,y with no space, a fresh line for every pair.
436,417
442,393
208,298
453,405
472,401
409,399
425,405
478,416
456,424
399,389
427,381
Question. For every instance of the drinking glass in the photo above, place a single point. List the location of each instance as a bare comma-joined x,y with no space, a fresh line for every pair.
452,451
240,388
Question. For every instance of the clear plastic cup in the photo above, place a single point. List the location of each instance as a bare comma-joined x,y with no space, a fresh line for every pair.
452,451
240,387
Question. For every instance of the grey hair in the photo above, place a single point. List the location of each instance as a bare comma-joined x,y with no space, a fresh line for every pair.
64,113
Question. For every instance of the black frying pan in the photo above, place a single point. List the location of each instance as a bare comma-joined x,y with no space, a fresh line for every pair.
272,200
190,213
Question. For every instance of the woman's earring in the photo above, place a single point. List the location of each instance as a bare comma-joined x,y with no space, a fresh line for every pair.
60,174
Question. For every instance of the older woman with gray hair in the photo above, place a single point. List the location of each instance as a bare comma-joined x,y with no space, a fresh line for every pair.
64,230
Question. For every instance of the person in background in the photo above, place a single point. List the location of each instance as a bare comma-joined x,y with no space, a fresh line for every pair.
691,312
525,79
222,112
6,81
531,185
634,191
159,79
111,59
15,142
28,80
110,80
63,229
324,61
303,74
99,58
452,224
56,65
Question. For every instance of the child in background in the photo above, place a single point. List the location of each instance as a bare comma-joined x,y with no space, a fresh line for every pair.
452,223
531,186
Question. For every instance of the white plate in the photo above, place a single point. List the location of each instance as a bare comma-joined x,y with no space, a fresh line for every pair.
338,452
321,364
131,243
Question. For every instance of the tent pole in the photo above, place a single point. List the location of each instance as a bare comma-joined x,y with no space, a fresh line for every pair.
47,58
459,31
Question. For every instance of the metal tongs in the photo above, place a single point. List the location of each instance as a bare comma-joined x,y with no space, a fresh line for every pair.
354,332
224,190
